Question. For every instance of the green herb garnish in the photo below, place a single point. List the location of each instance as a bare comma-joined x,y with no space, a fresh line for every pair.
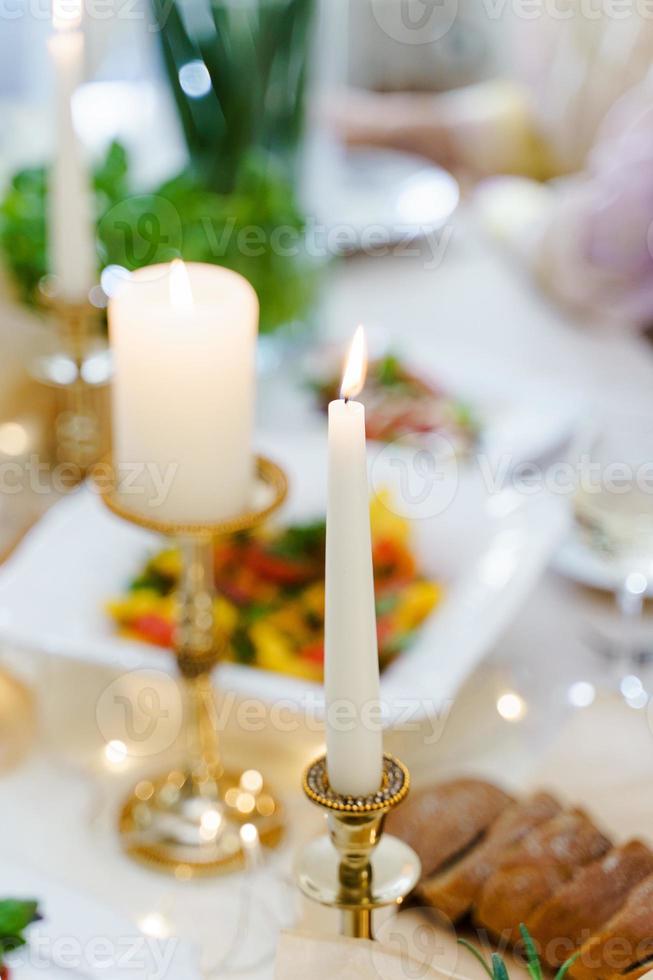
15,916
497,969
300,541
388,370
243,647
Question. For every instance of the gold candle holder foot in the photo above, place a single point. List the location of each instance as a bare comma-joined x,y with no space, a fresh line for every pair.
201,819
173,825
357,869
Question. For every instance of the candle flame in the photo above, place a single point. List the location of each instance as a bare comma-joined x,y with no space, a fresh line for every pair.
66,14
181,294
355,372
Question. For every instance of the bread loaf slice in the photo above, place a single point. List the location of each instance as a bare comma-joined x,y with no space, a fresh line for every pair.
624,946
642,970
441,822
454,890
532,870
596,893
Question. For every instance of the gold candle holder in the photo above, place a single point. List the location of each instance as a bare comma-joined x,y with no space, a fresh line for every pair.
356,868
77,429
188,821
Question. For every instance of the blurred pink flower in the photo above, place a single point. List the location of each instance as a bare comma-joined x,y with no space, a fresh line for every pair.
597,250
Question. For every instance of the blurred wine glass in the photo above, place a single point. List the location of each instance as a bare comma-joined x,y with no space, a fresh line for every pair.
614,513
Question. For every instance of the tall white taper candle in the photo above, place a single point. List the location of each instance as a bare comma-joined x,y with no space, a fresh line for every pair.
71,226
354,738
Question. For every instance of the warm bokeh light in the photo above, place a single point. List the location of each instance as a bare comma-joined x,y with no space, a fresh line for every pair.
14,439
66,14
181,294
245,803
155,925
355,371
249,835
511,706
115,752
210,824
251,781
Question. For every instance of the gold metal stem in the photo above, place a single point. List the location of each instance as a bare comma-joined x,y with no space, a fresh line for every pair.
74,320
356,923
195,637
191,820
354,840
203,747
197,654
77,426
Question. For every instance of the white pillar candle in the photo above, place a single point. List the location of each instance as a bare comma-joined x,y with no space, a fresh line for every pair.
184,341
71,223
354,738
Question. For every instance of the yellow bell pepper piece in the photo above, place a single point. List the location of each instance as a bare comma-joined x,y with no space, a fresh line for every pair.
313,599
167,563
273,652
225,616
417,602
385,523
141,602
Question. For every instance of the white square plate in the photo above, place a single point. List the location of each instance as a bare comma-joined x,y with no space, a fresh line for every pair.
489,549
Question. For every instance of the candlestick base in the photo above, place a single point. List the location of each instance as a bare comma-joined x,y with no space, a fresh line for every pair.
356,869
171,825
201,819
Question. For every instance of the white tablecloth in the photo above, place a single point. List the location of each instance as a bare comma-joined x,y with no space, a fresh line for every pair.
58,807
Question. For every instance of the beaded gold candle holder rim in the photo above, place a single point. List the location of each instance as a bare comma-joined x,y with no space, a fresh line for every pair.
356,868
394,788
270,476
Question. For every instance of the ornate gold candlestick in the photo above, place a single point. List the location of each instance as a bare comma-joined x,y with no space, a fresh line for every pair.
355,868
78,430
189,820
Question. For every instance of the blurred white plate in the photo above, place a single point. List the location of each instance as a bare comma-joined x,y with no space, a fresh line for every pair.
489,549
384,198
522,419
78,937
580,563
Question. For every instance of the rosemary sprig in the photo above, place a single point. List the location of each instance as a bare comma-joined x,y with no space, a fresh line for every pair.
497,969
